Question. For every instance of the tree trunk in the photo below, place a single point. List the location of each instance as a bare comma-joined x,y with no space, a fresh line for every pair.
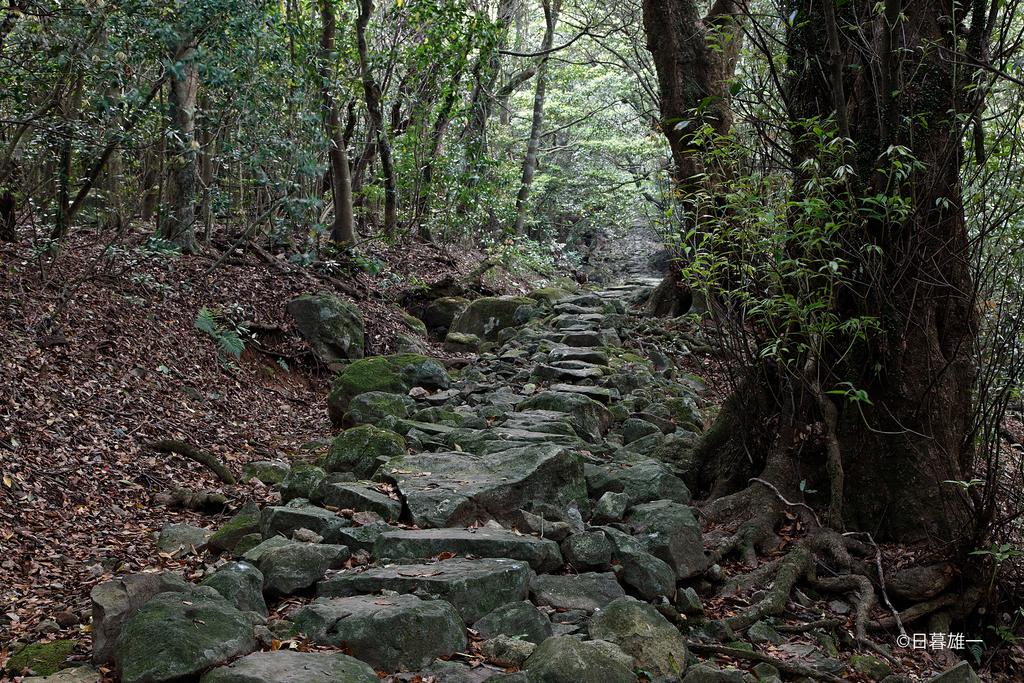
551,11
918,371
343,230
182,156
695,58
373,96
65,168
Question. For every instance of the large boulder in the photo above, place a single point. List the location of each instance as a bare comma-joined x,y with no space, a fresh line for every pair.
463,488
301,481
288,666
361,450
177,636
588,592
588,418
643,633
516,620
569,660
244,522
540,553
670,532
297,566
642,482
395,374
241,584
114,601
650,577
373,406
488,316
333,328
473,587
284,520
440,313
391,633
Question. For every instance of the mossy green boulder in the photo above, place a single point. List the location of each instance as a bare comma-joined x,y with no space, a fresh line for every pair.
302,480
177,636
392,374
488,316
373,406
42,659
246,521
361,450
643,633
440,313
333,327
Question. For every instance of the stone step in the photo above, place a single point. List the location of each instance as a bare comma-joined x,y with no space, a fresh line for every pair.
542,554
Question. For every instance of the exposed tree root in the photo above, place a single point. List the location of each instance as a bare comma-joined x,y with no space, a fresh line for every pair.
189,451
791,569
782,665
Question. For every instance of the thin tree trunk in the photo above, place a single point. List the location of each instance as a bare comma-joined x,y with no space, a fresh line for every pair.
343,230
373,96
551,10
182,159
65,167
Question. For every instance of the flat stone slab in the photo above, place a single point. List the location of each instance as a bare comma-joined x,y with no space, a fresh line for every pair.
473,587
589,592
457,489
359,497
540,553
599,394
288,666
395,633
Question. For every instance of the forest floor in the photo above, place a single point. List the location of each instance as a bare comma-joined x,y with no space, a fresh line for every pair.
101,357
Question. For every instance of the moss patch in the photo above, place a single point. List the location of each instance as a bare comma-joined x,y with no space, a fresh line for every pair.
43,659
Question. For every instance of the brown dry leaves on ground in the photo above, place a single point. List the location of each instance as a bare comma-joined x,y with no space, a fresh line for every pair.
98,358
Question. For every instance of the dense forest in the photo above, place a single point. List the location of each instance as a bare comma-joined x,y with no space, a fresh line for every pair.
511,340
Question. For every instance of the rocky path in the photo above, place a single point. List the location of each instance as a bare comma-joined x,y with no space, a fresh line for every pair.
516,520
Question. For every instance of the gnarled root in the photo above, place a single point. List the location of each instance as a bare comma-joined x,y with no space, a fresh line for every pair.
791,568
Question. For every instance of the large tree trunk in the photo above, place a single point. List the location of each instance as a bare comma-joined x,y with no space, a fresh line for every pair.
182,156
551,11
695,57
343,230
899,452
372,92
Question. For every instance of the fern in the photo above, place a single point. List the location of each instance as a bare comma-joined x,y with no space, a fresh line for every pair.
227,335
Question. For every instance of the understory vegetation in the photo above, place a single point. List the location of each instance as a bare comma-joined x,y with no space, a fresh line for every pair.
827,194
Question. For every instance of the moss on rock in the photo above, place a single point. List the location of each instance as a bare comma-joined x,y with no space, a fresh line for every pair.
42,659
361,450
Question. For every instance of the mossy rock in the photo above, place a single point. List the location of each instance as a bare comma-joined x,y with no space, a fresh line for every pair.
874,668
361,450
246,521
414,323
392,374
333,327
488,316
302,480
459,342
548,295
42,659
440,313
374,406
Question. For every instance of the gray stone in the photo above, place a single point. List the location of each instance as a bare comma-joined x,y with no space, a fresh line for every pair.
332,327
361,450
961,673
178,540
643,633
589,419
241,584
358,497
373,406
517,620
301,481
473,587
634,428
569,660
297,566
761,633
506,651
176,636
708,673
611,507
463,488
643,482
244,522
255,555
589,591
114,601
285,519
440,313
77,674
670,532
650,577
587,551
287,666
542,554
269,472
391,633
488,316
